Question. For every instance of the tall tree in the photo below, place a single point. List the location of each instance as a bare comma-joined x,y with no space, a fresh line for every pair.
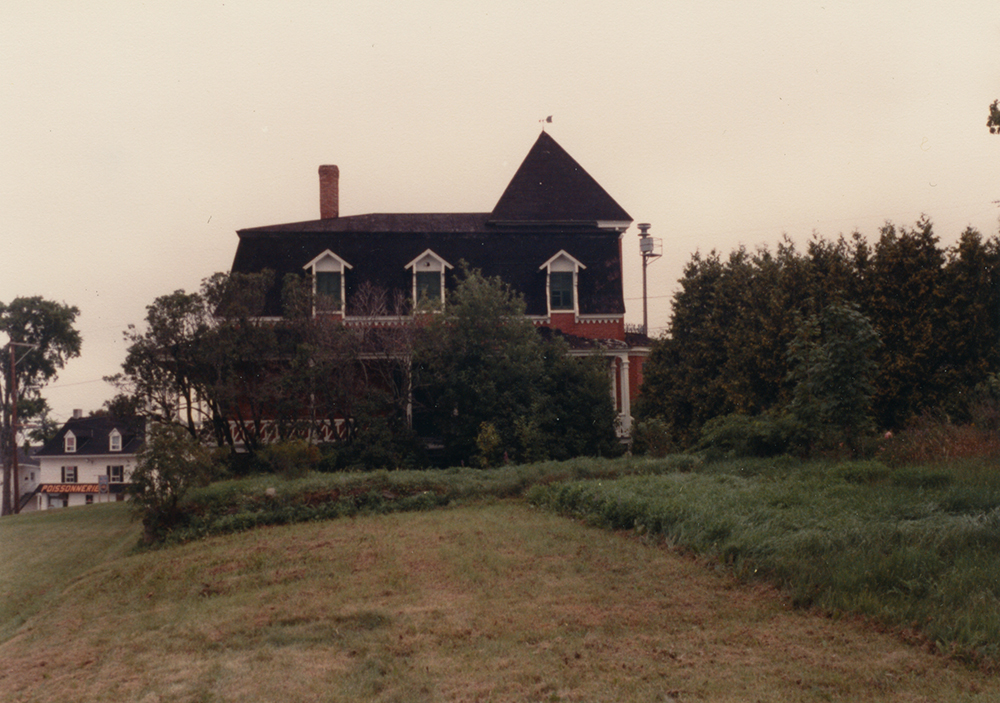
476,364
43,338
905,305
682,378
833,370
970,326
483,372
199,361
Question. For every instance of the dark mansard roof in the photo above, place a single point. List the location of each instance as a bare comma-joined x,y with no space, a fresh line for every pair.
550,205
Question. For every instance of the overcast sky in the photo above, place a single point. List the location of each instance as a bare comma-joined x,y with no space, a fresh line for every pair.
138,137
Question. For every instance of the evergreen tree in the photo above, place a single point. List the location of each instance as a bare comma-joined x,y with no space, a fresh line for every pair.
832,367
905,306
970,320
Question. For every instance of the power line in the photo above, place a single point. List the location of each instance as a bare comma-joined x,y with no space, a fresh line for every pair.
75,383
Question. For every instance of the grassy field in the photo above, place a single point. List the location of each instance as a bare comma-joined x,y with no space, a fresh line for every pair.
662,587
915,548
41,554
488,602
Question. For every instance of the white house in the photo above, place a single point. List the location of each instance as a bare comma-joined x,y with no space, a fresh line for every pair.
88,461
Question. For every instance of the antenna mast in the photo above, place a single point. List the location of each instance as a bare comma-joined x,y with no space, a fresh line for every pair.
649,248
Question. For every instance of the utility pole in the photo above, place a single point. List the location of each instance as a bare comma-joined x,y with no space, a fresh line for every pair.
649,248
13,433
13,423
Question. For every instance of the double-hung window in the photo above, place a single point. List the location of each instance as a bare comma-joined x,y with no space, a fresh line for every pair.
328,285
562,274
328,291
69,474
561,290
116,474
428,281
429,288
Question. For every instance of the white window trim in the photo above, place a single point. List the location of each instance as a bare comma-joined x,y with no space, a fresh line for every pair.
113,445
442,266
69,443
562,254
340,266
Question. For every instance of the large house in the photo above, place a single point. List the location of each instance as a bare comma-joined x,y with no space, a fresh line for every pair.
554,235
88,461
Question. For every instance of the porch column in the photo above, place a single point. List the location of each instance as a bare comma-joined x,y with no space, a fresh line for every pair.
613,375
626,400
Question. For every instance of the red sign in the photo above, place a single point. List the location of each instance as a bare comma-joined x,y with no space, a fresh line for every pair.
70,488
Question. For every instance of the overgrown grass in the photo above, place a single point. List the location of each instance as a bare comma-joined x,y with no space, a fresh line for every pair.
916,548
238,505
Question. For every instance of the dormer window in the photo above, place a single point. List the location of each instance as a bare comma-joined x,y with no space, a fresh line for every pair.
69,443
115,441
327,271
428,280
562,277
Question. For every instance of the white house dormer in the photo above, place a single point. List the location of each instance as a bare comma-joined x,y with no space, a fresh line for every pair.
115,441
562,273
69,443
428,280
328,288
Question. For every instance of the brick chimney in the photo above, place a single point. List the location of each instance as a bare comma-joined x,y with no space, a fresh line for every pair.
329,192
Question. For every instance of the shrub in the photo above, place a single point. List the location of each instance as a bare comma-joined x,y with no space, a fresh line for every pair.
488,444
652,437
292,458
169,465
744,436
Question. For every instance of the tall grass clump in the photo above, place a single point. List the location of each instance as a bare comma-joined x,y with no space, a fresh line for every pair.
263,500
916,548
932,438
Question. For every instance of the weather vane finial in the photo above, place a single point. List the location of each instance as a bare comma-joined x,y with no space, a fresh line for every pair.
547,119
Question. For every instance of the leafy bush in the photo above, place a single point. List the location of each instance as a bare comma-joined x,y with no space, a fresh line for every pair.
169,465
652,437
291,459
487,444
745,436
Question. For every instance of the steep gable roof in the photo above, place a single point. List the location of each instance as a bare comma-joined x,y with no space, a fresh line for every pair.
550,186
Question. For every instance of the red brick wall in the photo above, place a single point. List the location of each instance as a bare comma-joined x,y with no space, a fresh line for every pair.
566,322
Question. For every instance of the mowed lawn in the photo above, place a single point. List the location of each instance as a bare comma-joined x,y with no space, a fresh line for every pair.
489,602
